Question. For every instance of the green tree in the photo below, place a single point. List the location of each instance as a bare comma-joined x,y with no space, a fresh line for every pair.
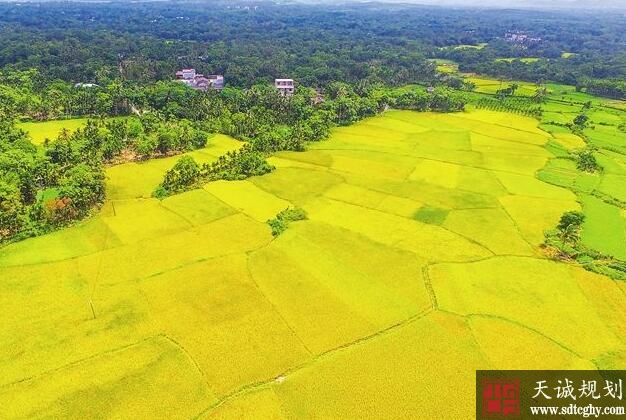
346,110
146,145
569,226
63,150
571,218
84,186
414,99
240,164
182,176
581,120
586,161
12,211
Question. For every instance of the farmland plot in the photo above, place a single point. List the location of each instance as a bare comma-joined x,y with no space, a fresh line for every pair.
422,230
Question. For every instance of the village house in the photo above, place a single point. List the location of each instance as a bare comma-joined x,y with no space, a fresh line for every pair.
284,86
520,38
199,81
216,80
85,85
319,96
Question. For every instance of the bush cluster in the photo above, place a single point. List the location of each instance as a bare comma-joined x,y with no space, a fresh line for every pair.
282,220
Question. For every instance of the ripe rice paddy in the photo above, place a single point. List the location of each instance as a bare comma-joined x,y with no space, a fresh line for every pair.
418,264
525,60
40,131
479,46
491,86
446,66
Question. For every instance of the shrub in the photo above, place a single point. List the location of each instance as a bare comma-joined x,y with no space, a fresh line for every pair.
241,164
292,214
60,211
146,145
571,221
586,161
277,225
282,220
581,120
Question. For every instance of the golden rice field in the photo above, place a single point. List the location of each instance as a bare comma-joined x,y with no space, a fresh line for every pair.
418,264
40,131
50,130
491,86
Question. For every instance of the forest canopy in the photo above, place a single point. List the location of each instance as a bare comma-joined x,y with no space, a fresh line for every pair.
251,42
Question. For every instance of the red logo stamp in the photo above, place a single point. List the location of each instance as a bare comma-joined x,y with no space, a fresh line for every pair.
501,398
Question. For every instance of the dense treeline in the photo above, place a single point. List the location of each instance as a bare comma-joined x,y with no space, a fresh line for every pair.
611,88
43,189
145,42
251,42
576,70
567,71
22,97
600,72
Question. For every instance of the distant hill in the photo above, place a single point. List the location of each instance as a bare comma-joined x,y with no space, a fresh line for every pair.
509,4
514,4
527,4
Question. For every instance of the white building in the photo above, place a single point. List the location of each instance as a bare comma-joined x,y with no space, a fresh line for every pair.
85,85
216,81
198,81
186,74
284,86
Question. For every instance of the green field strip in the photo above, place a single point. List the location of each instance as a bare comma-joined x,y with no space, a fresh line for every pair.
538,147
78,257
435,160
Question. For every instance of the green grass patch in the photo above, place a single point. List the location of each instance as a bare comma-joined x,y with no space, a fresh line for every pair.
604,228
431,215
